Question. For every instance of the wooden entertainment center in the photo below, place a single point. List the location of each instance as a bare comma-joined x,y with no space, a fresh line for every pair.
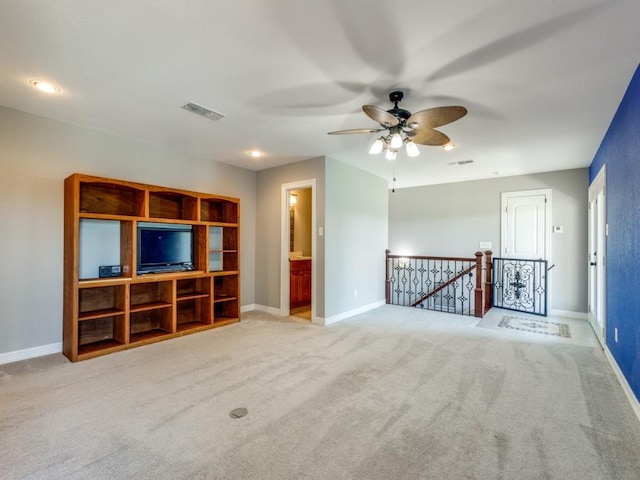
113,307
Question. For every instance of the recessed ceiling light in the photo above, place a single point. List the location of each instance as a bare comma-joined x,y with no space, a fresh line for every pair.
45,87
255,153
449,146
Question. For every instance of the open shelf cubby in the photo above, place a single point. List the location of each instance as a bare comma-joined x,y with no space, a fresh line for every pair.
172,206
101,333
151,295
111,199
223,311
149,324
219,210
225,288
193,312
97,302
102,217
190,288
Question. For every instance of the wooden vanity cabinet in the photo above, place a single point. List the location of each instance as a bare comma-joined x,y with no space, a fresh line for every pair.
300,283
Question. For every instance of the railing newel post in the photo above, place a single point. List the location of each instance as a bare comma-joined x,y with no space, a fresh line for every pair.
488,281
478,304
387,283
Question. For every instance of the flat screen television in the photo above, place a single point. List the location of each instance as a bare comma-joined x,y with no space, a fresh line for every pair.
164,248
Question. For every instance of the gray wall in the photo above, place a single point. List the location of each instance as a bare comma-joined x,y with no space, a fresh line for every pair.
352,208
268,246
451,220
356,236
36,155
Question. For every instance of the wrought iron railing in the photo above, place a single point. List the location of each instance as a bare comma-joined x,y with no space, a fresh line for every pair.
445,284
520,285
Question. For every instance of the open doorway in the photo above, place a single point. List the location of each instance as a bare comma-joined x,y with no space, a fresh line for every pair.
298,251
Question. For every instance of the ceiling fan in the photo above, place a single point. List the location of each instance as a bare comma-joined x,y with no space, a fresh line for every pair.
405,128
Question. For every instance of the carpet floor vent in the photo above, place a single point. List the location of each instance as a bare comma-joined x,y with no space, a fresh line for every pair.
238,412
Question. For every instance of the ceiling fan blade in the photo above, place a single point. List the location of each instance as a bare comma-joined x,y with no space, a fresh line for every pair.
435,117
429,136
381,116
356,130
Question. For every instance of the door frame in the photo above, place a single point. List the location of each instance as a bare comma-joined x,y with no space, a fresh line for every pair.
285,205
595,234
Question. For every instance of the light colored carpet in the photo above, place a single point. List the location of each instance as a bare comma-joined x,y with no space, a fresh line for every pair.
395,393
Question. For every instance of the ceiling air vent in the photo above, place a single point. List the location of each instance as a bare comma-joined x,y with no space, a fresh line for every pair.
462,162
203,111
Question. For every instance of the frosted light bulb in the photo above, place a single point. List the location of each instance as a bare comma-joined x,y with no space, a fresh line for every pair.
396,141
412,149
376,147
390,155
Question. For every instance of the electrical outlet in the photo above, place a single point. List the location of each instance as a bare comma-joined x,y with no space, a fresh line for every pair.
615,334
355,293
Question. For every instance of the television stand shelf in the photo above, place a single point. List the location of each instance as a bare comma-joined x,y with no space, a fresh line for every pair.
107,223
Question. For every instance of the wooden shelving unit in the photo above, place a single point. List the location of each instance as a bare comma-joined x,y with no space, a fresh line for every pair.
104,315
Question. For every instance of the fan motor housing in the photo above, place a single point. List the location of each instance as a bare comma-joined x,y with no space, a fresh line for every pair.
400,113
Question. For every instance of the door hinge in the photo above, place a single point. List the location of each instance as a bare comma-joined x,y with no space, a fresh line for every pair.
606,229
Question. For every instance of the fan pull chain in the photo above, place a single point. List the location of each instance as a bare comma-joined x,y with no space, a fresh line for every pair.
393,185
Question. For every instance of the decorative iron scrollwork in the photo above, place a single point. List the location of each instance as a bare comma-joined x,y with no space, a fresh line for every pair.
435,284
520,285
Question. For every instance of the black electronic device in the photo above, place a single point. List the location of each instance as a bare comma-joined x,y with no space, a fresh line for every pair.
164,248
105,271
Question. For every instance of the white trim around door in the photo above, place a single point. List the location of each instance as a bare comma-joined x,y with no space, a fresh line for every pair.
284,245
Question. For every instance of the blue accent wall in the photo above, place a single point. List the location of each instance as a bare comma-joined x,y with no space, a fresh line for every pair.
620,152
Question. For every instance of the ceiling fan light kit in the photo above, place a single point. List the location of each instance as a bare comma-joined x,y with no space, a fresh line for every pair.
405,128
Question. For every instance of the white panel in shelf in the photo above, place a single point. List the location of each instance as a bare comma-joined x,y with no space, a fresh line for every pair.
215,261
99,245
215,238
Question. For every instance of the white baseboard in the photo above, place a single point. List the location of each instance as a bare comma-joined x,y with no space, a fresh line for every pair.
263,308
27,353
568,314
349,313
635,405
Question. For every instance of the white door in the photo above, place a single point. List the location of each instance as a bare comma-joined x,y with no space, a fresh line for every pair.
596,255
525,229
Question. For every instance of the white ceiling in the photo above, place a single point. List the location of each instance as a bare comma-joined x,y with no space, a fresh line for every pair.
541,79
